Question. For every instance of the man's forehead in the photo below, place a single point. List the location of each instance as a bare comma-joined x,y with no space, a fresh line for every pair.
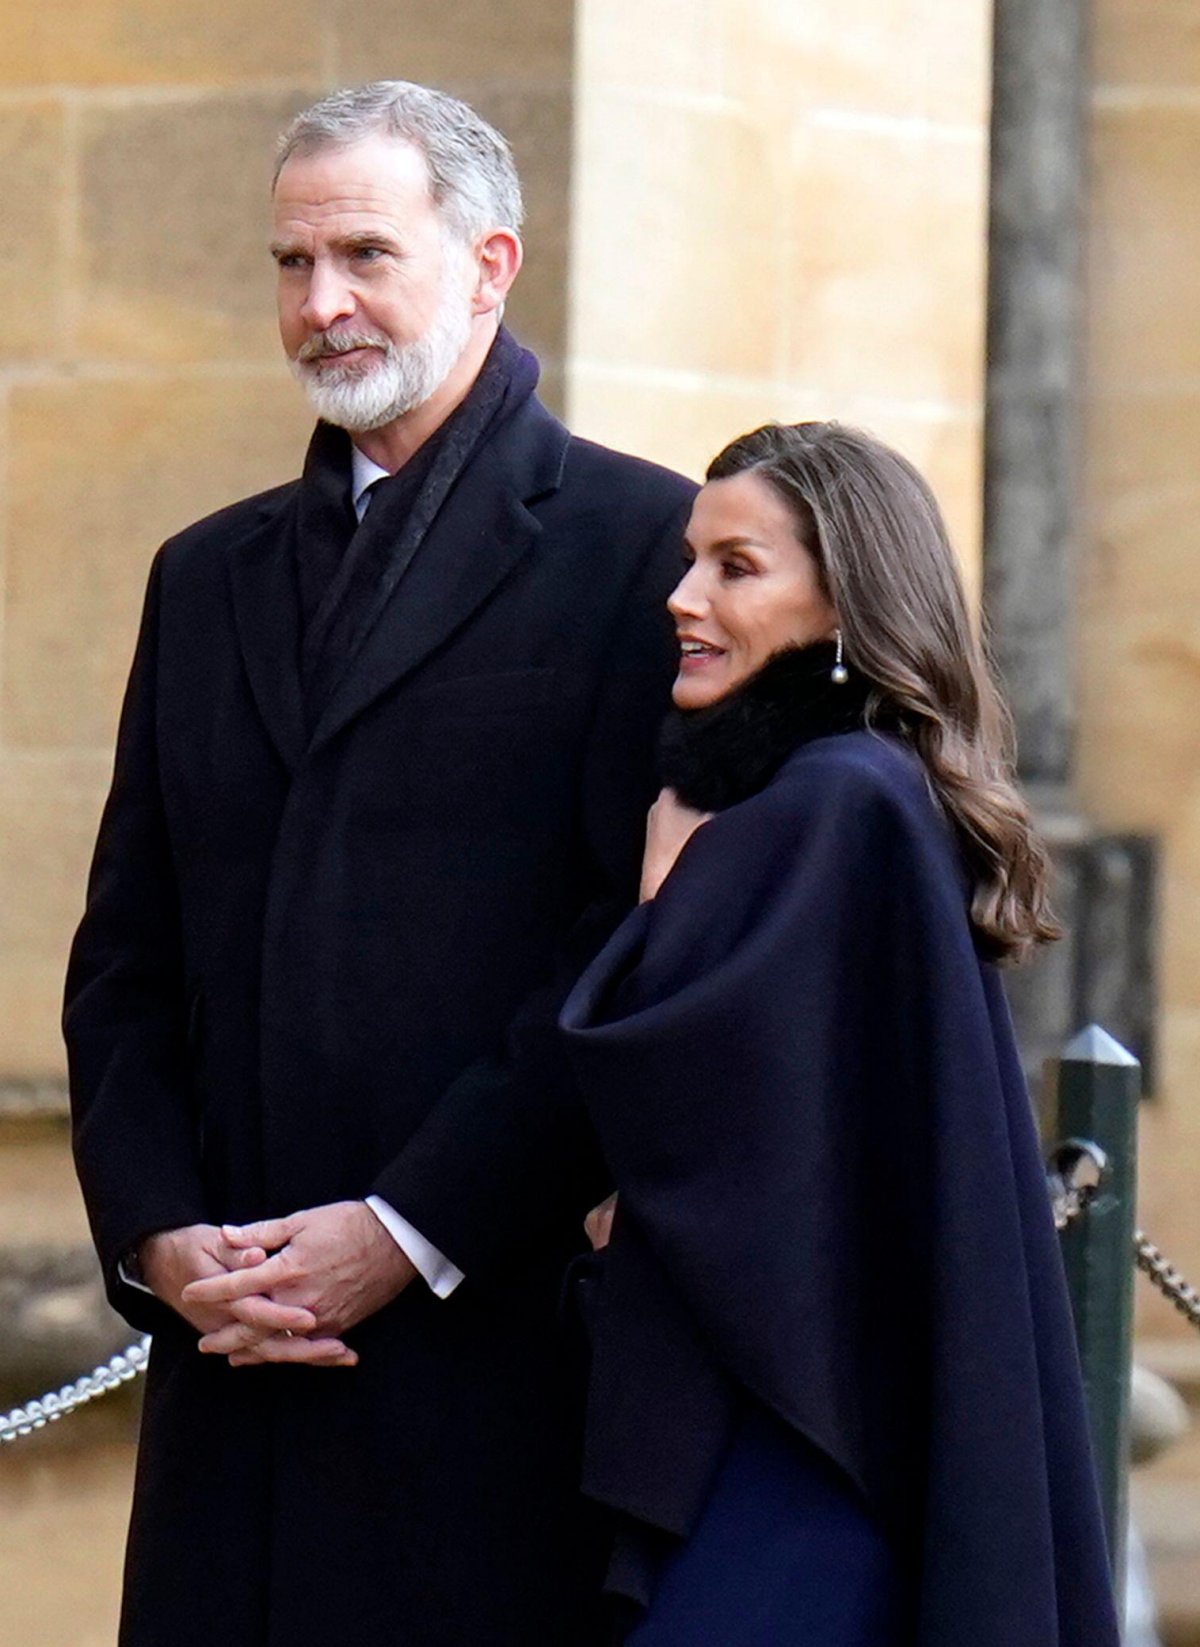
378,176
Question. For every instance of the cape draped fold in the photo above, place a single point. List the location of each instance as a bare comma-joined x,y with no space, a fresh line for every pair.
832,1201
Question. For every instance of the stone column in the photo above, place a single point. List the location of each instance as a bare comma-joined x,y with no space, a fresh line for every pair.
1032,442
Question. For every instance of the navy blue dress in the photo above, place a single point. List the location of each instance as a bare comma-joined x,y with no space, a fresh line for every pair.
784,1555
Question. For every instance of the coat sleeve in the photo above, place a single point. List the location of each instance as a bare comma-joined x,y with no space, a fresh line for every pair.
508,1153
125,1018
803,1080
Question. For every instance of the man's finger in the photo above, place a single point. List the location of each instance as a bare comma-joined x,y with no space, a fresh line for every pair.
226,1340
268,1316
313,1352
269,1233
241,1258
231,1284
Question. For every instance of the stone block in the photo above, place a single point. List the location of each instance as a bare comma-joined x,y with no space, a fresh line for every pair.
673,420
33,154
48,815
55,1322
1144,246
683,421
440,45
677,261
100,471
1143,499
885,58
1139,754
175,227
65,1513
539,127
1151,43
885,237
111,42
670,46
39,1197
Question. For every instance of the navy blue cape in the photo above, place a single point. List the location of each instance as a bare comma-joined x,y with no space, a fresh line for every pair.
832,1200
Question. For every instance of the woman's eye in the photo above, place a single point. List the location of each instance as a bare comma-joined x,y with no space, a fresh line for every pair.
731,570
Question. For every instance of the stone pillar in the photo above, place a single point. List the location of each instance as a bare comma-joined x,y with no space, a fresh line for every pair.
1104,968
1031,429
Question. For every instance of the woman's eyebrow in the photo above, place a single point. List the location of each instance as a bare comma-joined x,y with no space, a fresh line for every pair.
721,544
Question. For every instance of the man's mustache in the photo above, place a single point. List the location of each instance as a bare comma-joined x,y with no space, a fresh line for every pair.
322,345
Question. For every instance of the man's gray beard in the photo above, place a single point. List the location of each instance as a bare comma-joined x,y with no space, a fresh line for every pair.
408,375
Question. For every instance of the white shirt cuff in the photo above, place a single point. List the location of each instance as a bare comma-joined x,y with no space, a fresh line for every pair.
434,1268
131,1280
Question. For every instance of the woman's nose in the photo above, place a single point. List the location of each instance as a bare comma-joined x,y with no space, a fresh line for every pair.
687,599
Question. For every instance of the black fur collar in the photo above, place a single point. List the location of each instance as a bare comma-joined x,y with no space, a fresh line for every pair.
714,757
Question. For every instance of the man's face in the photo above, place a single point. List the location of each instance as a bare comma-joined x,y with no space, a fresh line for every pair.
375,297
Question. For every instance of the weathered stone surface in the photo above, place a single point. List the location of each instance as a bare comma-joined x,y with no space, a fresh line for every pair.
132,461
685,271
1153,44
538,124
40,1203
472,40
175,228
33,250
885,58
1145,245
112,42
64,1503
55,1322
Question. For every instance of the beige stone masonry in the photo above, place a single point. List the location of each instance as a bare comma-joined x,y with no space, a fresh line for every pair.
161,42
33,194
101,471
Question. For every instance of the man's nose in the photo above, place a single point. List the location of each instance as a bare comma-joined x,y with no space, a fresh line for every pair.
329,298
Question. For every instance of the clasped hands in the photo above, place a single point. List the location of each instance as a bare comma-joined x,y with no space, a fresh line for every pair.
282,1290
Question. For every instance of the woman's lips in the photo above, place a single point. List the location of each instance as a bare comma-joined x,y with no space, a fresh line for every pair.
696,654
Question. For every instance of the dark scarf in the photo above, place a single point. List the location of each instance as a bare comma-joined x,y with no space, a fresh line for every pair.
348,572
717,756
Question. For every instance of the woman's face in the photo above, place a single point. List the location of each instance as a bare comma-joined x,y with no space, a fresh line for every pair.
751,588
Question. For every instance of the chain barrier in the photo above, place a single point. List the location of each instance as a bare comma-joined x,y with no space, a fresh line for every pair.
1078,1170
56,1404
1163,1274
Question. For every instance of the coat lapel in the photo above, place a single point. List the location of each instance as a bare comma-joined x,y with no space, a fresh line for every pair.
266,614
482,532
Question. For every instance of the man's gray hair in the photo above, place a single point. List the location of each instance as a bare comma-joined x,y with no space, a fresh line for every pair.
472,177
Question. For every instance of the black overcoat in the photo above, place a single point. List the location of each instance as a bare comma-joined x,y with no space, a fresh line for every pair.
315,967
832,1201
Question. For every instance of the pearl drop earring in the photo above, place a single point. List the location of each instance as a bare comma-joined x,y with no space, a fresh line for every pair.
839,674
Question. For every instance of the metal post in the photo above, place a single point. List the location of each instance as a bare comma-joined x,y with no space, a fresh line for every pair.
1096,1101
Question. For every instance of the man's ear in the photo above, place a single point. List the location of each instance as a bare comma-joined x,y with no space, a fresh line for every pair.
498,258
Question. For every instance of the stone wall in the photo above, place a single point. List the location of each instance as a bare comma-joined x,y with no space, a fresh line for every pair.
141,386
780,212
1140,613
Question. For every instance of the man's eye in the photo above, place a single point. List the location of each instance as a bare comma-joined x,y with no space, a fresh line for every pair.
368,254
292,260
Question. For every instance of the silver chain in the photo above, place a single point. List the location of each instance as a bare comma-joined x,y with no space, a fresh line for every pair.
120,1369
1150,1260
55,1404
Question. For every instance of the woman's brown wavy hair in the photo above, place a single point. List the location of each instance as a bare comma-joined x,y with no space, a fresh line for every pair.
877,535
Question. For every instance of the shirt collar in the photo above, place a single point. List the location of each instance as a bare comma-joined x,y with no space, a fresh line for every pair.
363,473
